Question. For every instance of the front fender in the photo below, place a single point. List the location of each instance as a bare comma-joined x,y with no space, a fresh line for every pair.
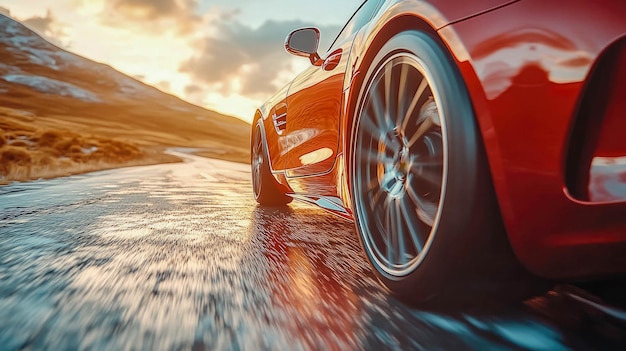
394,17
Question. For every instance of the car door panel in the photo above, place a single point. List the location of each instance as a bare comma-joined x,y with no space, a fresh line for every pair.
314,104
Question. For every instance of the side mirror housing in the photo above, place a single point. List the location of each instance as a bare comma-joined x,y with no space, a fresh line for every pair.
304,42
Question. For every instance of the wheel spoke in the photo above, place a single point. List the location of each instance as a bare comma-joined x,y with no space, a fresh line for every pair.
399,247
389,229
408,213
388,92
424,210
373,156
378,110
421,131
378,195
430,161
368,126
402,85
257,161
376,190
418,95
257,144
371,185
392,234
427,175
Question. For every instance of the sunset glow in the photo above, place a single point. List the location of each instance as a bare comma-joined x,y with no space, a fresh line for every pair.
223,55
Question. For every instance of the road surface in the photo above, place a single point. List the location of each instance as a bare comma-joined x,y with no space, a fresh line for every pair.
180,257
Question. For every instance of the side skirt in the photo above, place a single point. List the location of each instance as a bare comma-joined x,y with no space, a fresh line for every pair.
331,204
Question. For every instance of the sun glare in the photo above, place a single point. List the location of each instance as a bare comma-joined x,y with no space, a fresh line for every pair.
151,42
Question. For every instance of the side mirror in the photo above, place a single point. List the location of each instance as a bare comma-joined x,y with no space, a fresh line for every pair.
304,42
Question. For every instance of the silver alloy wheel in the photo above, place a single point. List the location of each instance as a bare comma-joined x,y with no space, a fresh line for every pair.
400,165
257,161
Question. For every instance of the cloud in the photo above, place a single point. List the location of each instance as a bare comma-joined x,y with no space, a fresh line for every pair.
193,89
158,14
164,85
245,60
195,94
41,24
48,26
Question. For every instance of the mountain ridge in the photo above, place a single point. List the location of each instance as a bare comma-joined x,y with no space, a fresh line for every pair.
44,87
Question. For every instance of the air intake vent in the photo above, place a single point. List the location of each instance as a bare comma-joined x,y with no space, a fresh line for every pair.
596,165
279,116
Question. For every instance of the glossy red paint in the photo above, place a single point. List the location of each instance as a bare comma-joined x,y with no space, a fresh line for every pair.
526,65
313,126
606,166
526,80
312,137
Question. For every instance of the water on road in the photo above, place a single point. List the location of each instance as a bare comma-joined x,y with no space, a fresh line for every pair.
180,257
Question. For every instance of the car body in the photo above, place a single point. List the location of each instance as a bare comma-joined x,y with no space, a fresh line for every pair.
546,82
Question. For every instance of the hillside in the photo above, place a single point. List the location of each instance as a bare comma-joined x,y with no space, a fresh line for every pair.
61,113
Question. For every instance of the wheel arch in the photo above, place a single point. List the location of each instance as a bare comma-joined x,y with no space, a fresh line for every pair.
378,52
367,52
258,116
279,176
450,42
255,120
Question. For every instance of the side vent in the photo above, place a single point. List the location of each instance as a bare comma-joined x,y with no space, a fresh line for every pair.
279,117
596,163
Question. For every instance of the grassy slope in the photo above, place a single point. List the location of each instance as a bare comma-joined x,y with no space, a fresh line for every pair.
45,134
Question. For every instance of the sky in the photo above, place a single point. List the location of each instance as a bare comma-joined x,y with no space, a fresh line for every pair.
225,55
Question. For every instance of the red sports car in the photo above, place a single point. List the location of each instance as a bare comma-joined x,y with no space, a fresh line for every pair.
471,142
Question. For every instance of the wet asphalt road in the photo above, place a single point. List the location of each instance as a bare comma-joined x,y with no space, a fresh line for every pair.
179,257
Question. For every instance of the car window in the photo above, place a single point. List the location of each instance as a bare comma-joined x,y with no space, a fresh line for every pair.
360,18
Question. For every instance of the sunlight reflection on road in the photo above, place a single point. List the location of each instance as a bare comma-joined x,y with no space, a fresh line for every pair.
161,257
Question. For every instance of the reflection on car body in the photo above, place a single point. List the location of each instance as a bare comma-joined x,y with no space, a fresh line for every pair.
477,146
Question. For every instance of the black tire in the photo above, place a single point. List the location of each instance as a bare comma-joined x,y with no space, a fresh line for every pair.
460,253
266,189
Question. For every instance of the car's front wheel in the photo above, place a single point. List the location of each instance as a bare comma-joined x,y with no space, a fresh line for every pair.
423,201
266,190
